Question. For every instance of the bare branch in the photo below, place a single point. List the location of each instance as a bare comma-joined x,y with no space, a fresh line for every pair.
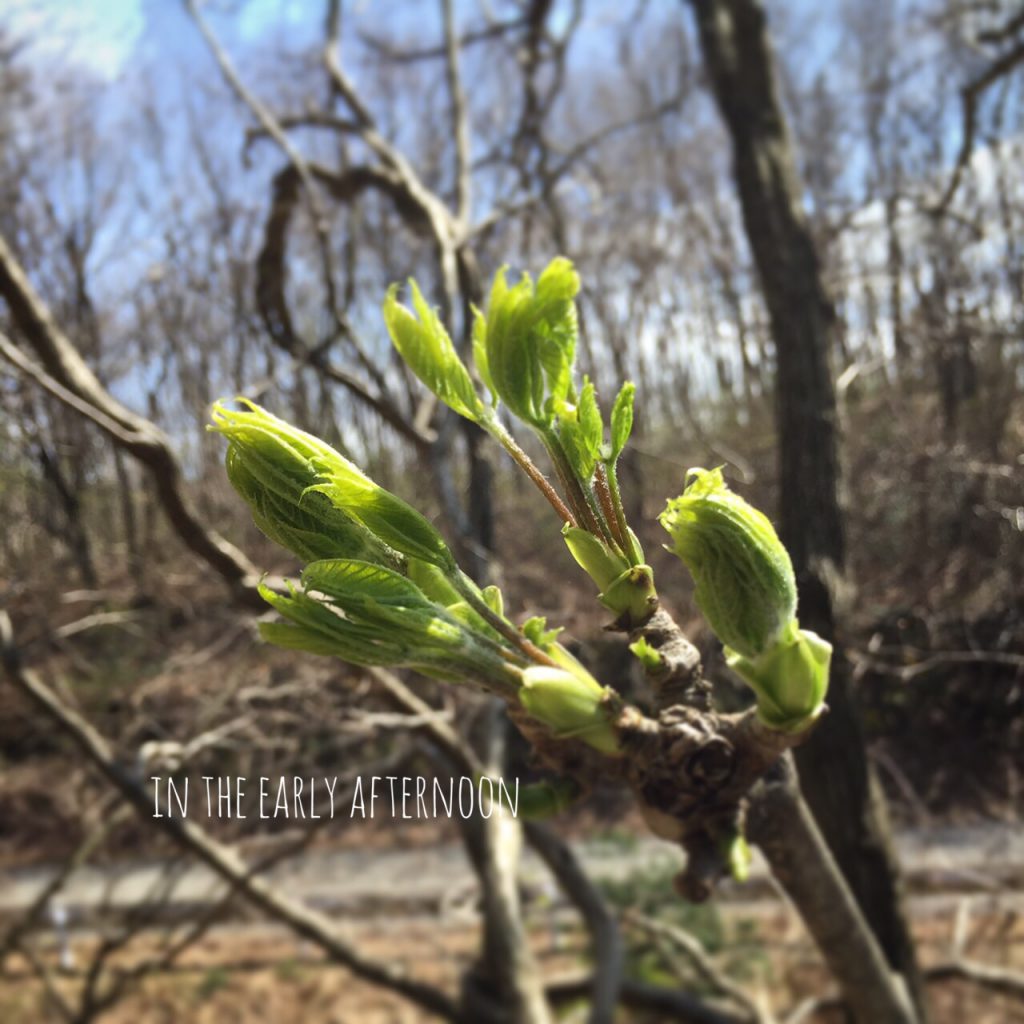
492,844
270,283
1003,32
271,126
397,56
332,61
665,1003
970,97
781,825
608,951
1003,980
906,672
67,376
460,116
698,956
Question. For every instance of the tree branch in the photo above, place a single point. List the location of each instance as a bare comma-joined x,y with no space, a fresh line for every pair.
460,116
698,957
67,376
606,942
970,97
780,823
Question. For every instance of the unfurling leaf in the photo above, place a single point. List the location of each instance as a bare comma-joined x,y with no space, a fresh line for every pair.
622,419
385,515
529,343
272,465
557,325
356,585
582,431
480,353
369,615
424,344
312,626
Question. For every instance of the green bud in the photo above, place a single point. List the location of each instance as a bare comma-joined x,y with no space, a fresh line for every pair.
581,430
739,856
535,629
272,465
646,655
622,420
747,591
284,472
571,704
632,596
494,600
627,590
603,565
790,678
745,583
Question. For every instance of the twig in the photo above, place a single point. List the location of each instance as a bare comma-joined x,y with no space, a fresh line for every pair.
66,375
271,126
390,53
702,963
606,942
970,97
1003,980
936,660
460,116
126,620
667,1004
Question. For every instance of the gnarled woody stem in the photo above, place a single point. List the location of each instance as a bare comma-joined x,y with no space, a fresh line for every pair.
700,776
780,823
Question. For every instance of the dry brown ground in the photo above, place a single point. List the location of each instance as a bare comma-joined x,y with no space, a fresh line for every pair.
249,974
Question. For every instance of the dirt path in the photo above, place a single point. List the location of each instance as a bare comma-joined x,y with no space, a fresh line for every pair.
939,863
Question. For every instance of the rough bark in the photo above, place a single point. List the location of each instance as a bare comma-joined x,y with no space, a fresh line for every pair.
834,771
781,825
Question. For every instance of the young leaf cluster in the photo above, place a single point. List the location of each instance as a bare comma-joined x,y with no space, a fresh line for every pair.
381,587
524,352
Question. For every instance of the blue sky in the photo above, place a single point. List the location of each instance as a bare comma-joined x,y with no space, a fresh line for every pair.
101,35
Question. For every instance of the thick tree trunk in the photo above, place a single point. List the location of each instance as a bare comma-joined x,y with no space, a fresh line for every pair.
834,771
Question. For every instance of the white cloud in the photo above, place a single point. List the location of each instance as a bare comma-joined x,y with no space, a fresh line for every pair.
97,35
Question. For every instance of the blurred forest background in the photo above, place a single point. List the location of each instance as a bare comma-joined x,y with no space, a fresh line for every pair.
213,202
